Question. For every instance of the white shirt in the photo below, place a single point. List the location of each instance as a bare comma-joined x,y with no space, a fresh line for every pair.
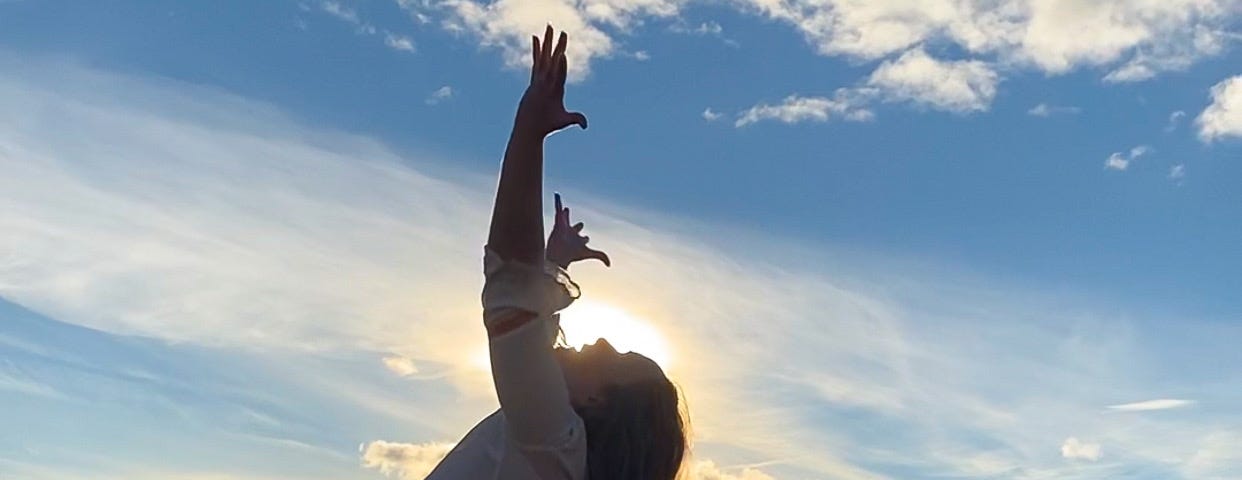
536,435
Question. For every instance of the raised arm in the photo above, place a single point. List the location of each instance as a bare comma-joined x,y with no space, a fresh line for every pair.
517,216
523,290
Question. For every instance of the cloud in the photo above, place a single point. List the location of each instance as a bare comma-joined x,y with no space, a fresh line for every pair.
1121,161
395,41
1175,119
795,109
1223,117
1149,405
440,95
1131,41
707,470
507,25
398,42
340,11
405,461
1074,449
1045,110
705,28
347,15
1052,36
954,86
401,366
1177,172
915,77
710,115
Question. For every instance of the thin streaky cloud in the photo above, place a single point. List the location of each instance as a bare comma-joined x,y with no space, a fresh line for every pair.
1150,405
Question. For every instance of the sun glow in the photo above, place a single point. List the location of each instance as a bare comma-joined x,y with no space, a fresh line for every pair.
585,321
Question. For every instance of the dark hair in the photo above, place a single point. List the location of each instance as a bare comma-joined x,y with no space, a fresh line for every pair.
637,433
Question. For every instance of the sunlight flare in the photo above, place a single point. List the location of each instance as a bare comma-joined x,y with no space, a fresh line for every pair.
586,321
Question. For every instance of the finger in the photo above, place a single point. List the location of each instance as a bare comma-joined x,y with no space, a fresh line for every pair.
534,57
556,196
561,41
547,46
598,255
585,239
562,72
578,227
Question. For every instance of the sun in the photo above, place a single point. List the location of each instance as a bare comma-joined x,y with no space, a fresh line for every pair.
586,321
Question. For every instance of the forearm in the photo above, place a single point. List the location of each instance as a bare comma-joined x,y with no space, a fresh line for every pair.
516,231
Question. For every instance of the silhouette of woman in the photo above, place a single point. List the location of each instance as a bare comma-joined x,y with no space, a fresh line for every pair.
564,415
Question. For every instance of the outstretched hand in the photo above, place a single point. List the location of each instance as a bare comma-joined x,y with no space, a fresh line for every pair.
567,244
542,110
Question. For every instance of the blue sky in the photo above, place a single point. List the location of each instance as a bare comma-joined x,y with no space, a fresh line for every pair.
952,234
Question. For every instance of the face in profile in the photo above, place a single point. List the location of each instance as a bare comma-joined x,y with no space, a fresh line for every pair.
599,365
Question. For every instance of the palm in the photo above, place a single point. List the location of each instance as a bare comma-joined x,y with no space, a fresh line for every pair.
567,244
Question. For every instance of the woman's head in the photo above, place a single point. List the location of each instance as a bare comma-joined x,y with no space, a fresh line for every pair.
632,413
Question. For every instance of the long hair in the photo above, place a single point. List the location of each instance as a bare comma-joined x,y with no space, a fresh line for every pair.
637,433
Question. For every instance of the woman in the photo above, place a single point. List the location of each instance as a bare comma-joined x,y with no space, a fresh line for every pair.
564,415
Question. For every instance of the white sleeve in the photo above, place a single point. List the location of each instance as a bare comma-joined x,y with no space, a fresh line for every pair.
529,382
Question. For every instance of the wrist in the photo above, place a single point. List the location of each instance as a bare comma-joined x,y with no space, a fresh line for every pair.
560,262
526,126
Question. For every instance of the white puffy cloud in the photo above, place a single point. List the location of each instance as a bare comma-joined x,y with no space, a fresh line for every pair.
707,470
1121,160
914,77
405,461
954,86
1148,405
1223,117
1054,36
509,24
710,115
1078,450
1130,40
795,109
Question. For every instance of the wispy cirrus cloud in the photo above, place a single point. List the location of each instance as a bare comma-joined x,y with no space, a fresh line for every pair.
1149,405
350,16
1045,110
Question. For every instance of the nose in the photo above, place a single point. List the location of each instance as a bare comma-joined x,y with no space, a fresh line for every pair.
603,343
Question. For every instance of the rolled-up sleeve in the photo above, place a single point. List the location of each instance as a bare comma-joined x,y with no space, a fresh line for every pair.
520,302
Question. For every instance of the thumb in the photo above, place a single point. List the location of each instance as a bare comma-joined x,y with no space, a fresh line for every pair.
574,118
598,255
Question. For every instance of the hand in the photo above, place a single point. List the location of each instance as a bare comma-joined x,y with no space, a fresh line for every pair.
566,244
542,110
